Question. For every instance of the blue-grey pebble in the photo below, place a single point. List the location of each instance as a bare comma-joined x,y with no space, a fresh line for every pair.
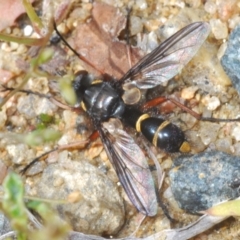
200,181
231,59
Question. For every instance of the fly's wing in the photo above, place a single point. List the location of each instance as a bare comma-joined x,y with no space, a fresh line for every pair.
169,57
131,167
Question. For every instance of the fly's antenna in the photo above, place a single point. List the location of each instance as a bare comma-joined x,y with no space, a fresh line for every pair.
74,51
129,10
25,169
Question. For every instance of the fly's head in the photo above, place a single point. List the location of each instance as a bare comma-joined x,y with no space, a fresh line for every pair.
81,82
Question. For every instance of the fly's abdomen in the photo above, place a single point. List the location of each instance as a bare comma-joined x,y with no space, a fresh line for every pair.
159,132
164,134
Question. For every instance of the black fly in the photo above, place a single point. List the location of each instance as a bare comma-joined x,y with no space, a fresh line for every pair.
102,100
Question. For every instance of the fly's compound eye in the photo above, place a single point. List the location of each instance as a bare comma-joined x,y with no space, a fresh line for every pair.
81,82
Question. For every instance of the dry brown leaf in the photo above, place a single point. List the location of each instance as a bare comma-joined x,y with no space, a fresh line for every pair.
97,41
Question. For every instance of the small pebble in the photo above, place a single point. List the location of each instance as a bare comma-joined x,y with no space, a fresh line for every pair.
188,93
20,153
221,50
74,197
5,47
25,107
69,118
234,21
210,7
136,25
188,119
141,4
208,132
236,133
21,49
32,105
211,102
219,29
14,46
38,84
224,145
28,30
226,8
195,141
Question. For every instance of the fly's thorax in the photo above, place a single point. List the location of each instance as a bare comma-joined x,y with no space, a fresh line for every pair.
102,101
96,81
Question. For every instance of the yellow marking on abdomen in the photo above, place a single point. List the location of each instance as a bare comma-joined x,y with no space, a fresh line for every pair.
160,128
140,119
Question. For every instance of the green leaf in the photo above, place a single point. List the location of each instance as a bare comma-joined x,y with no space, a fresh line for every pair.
67,90
44,56
41,136
45,118
13,204
22,40
36,21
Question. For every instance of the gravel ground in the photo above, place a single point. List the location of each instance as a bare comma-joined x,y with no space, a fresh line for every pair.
202,85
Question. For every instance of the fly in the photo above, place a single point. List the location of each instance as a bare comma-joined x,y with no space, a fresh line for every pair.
102,100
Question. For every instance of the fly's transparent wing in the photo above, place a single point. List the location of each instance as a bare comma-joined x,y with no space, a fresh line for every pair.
169,57
131,167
